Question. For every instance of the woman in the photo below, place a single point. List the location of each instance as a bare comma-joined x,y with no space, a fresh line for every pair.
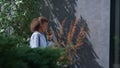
38,28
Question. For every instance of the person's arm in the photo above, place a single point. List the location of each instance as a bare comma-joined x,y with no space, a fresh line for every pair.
35,41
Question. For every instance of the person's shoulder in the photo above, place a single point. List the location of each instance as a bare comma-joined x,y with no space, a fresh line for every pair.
36,33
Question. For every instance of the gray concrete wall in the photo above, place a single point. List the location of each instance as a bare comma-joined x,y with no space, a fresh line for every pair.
97,15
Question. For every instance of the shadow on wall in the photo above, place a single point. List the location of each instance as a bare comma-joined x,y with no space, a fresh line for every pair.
57,11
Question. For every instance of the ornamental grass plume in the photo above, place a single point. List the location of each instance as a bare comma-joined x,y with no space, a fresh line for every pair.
59,41
70,48
81,36
62,25
71,31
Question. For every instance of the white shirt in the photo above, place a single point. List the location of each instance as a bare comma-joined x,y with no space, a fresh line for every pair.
38,40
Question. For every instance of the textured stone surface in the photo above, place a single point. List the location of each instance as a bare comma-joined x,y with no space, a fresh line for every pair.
97,15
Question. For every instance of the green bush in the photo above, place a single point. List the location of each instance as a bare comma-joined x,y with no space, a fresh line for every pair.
13,56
